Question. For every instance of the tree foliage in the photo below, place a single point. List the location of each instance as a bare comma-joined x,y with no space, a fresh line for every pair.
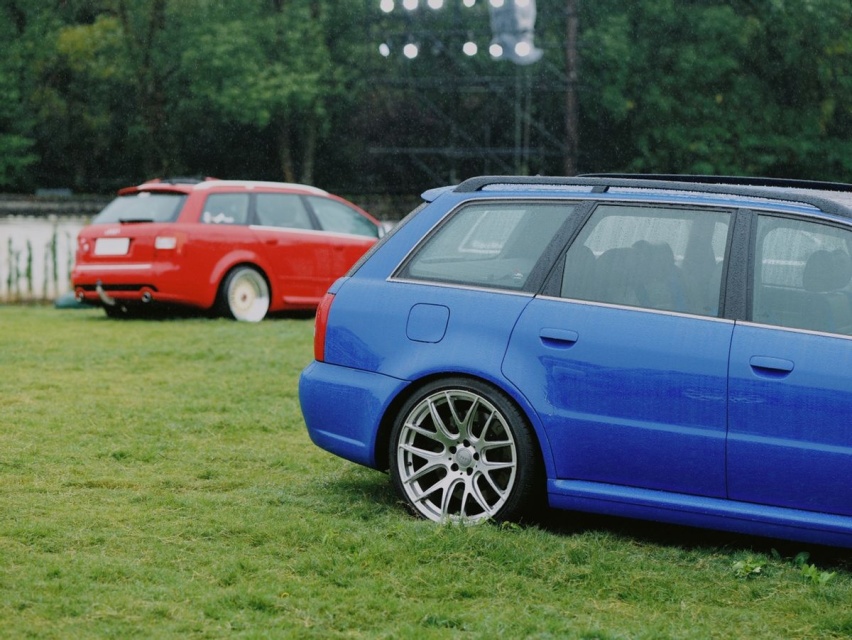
252,71
97,94
16,142
760,88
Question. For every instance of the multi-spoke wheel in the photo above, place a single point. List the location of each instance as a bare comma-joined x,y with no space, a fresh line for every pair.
460,451
244,295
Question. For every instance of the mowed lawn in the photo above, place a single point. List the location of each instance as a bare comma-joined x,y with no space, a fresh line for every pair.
156,481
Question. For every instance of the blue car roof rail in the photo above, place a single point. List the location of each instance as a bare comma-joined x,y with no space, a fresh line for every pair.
764,188
745,181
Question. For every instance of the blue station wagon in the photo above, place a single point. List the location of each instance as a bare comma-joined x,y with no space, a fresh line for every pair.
671,348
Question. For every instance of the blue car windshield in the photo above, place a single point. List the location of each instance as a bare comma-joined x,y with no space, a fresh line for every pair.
142,207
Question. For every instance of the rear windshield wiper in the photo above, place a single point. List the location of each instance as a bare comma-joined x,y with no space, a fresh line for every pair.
134,220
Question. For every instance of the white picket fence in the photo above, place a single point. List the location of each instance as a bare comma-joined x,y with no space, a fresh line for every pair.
36,256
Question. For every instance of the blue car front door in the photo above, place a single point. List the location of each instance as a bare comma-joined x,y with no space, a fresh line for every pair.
790,442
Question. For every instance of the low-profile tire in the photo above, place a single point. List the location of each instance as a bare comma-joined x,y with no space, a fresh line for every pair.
460,451
244,295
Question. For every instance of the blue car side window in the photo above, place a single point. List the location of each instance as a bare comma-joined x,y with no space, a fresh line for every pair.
803,275
491,245
653,257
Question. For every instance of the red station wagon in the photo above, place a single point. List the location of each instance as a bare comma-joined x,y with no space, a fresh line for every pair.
238,248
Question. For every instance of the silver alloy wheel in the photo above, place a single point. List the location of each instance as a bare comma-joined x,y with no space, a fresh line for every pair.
456,457
247,295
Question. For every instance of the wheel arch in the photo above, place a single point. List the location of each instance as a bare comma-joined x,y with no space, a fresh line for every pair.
383,434
237,259
252,265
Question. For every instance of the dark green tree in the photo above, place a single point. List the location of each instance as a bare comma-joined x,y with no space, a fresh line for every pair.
718,87
271,67
16,136
96,94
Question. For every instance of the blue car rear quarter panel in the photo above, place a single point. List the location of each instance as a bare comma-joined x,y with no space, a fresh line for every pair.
342,408
477,331
382,349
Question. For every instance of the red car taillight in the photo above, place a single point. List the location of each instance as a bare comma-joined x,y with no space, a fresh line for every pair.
170,242
320,326
83,245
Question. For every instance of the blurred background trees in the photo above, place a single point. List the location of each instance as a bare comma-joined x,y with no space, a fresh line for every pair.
99,94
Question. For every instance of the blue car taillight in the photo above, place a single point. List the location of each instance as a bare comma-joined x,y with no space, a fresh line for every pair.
320,326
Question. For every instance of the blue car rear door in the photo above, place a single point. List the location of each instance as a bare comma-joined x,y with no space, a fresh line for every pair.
626,361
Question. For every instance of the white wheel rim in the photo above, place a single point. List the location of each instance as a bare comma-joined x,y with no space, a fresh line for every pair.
248,297
457,458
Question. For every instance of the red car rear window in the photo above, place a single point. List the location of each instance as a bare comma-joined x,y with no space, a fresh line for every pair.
142,207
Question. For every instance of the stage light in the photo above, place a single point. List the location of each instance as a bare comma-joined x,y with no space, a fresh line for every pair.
410,51
523,49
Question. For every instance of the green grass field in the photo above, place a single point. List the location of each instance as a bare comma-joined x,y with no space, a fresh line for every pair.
156,481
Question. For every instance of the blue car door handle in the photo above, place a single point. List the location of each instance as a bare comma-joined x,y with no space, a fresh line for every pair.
558,338
770,365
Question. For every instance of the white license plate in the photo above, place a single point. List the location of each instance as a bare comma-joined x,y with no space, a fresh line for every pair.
112,246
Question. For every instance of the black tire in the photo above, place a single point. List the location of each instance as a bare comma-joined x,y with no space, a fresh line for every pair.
461,451
244,295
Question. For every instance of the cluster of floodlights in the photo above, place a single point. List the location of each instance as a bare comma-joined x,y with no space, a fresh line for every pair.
511,21
412,5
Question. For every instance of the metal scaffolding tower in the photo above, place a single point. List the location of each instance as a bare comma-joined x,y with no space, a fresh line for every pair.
488,115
